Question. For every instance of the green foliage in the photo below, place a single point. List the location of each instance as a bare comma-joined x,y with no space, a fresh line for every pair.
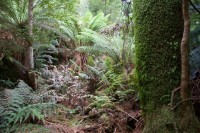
113,81
111,7
21,115
88,22
21,106
45,54
7,83
101,101
106,80
14,14
60,10
98,22
126,95
112,47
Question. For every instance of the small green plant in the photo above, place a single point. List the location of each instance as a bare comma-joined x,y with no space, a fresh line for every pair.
25,114
101,101
20,107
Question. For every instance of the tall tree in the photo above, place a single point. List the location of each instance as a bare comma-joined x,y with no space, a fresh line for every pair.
158,32
29,61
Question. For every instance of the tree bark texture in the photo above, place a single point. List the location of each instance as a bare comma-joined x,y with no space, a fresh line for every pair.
29,58
158,32
185,51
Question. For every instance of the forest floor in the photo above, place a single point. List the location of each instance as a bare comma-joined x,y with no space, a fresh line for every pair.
89,111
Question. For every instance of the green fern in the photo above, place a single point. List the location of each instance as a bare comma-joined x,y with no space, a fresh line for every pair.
102,101
20,105
98,22
110,46
45,54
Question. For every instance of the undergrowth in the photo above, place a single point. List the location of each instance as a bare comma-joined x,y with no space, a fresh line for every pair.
22,110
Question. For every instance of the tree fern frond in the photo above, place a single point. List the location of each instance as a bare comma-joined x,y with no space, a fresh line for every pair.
98,22
68,31
101,45
55,30
6,22
86,18
89,50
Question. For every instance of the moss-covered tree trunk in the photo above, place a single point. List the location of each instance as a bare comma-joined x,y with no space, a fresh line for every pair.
158,34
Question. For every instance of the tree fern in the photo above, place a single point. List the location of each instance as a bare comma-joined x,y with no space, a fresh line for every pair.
110,46
98,22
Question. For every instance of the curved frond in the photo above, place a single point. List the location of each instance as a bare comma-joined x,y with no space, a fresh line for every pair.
98,22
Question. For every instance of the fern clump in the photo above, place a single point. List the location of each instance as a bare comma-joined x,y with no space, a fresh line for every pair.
102,101
45,54
20,107
7,83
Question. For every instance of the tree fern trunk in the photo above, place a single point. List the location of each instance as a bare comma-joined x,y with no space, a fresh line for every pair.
29,58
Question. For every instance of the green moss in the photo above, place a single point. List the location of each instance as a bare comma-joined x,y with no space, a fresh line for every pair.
160,121
158,33
164,120
187,122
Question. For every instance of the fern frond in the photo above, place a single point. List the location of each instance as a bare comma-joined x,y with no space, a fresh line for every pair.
101,45
98,22
34,111
68,31
55,30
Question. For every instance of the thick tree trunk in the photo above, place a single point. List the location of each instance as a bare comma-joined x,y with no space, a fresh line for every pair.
29,58
158,34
